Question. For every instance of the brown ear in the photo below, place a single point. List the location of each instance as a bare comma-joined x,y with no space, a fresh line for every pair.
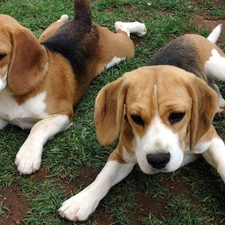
27,63
109,107
205,103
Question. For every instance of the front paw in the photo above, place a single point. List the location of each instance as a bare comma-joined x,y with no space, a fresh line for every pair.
28,159
79,207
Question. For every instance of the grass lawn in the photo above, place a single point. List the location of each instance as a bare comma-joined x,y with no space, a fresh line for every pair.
192,195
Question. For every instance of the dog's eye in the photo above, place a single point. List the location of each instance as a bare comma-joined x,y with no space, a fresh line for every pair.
2,56
176,117
137,119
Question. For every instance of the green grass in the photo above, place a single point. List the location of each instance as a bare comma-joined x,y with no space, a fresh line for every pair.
192,195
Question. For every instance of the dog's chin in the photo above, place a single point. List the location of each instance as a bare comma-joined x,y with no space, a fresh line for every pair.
148,169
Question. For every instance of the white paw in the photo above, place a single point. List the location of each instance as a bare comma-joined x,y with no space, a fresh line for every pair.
63,18
28,159
140,29
136,28
122,26
79,207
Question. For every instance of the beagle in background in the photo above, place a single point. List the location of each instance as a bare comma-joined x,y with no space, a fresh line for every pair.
163,117
41,83
52,28
199,56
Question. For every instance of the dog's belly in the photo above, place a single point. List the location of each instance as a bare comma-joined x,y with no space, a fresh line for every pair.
24,115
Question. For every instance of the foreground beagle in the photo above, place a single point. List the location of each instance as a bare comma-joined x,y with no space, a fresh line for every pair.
163,116
40,83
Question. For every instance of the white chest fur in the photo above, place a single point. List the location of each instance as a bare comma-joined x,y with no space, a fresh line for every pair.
24,115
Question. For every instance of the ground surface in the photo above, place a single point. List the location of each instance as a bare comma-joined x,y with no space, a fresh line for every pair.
15,202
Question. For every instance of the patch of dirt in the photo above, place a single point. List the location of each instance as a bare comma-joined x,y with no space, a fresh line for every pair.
85,177
208,23
218,3
15,205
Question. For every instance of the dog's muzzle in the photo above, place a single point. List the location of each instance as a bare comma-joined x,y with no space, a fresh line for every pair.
159,160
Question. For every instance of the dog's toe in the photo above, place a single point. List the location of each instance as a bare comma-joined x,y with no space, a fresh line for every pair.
78,207
28,160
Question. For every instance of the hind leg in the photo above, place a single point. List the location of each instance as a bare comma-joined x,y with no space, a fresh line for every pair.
136,28
124,48
221,102
215,70
118,46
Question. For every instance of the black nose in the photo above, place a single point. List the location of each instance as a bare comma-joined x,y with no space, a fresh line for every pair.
159,160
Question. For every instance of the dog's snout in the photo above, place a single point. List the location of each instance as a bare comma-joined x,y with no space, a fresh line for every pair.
159,160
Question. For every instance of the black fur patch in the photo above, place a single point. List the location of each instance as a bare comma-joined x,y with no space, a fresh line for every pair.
178,53
77,42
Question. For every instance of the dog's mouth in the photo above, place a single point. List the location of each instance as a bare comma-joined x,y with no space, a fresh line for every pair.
159,162
150,170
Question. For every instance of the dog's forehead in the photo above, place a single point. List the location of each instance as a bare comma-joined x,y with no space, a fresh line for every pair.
158,86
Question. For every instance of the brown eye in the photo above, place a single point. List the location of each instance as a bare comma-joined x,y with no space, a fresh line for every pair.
2,56
138,120
176,117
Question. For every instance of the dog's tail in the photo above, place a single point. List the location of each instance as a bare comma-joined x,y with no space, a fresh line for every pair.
214,35
83,11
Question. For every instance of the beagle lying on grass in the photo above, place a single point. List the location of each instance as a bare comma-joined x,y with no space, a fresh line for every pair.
197,55
40,83
163,116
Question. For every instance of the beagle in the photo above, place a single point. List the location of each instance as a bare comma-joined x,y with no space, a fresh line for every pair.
197,55
41,83
163,116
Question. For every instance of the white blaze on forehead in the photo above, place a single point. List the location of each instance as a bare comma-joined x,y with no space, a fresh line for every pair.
158,138
155,97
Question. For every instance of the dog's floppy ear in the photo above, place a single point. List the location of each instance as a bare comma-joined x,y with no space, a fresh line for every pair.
204,105
109,108
27,63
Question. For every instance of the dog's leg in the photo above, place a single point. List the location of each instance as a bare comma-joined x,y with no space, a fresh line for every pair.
80,206
136,28
124,47
189,158
221,102
3,123
215,70
215,156
28,159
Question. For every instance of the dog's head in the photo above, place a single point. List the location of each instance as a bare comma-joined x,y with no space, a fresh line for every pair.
159,111
22,58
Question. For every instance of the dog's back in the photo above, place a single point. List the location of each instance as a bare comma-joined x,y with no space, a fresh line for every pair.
188,52
77,40
179,53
